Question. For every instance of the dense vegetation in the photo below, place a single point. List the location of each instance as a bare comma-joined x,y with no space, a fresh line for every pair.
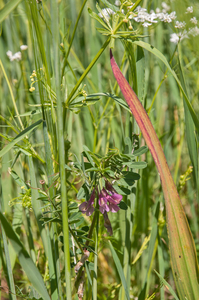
67,137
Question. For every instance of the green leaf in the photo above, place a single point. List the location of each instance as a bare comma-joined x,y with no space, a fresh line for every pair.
8,8
120,101
75,215
182,249
97,18
167,285
122,190
83,192
111,6
19,137
25,260
87,155
120,270
140,151
122,205
18,180
136,164
129,178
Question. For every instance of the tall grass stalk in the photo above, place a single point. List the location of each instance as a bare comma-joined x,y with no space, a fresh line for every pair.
61,147
11,284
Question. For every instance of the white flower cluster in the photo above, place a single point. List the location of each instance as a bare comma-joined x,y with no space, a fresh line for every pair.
180,24
106,12
140,15
192,31
17,55
148,18
189,10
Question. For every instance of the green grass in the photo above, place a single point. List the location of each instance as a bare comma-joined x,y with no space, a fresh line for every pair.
75,120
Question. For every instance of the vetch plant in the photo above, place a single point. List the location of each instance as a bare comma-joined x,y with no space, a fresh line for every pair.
109,179
106,195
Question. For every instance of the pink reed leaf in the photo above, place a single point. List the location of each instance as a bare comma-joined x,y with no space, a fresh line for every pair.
182,248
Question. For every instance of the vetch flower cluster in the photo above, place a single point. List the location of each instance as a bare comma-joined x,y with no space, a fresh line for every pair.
108,200
87,206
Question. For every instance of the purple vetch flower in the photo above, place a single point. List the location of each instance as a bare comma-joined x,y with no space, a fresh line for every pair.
103,201
87,206
109,199
114,200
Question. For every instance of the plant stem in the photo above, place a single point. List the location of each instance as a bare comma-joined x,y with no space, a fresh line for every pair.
87,70
72,38
56,42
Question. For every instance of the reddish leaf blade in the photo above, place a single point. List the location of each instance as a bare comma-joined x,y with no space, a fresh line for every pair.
182,249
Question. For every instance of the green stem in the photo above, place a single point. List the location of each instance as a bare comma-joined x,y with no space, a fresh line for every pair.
60,132
72,38
87,70
12,96
91,228
94,290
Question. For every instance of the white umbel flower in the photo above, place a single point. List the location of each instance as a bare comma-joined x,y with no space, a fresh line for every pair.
107,12
117,3
23,47
165,7
194,31
16,56
180,24
146,24
189,10
194,20
9,54
174,38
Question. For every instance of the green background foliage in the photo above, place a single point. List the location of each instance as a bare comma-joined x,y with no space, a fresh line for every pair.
76,115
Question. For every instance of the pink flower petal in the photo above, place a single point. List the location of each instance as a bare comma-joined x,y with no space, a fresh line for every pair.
83,207
113,208
89,211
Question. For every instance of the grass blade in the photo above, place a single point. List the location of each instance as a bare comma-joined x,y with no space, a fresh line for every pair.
20,137
6,251
120,270
8,8
167,285
61,145
25,260
182,249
